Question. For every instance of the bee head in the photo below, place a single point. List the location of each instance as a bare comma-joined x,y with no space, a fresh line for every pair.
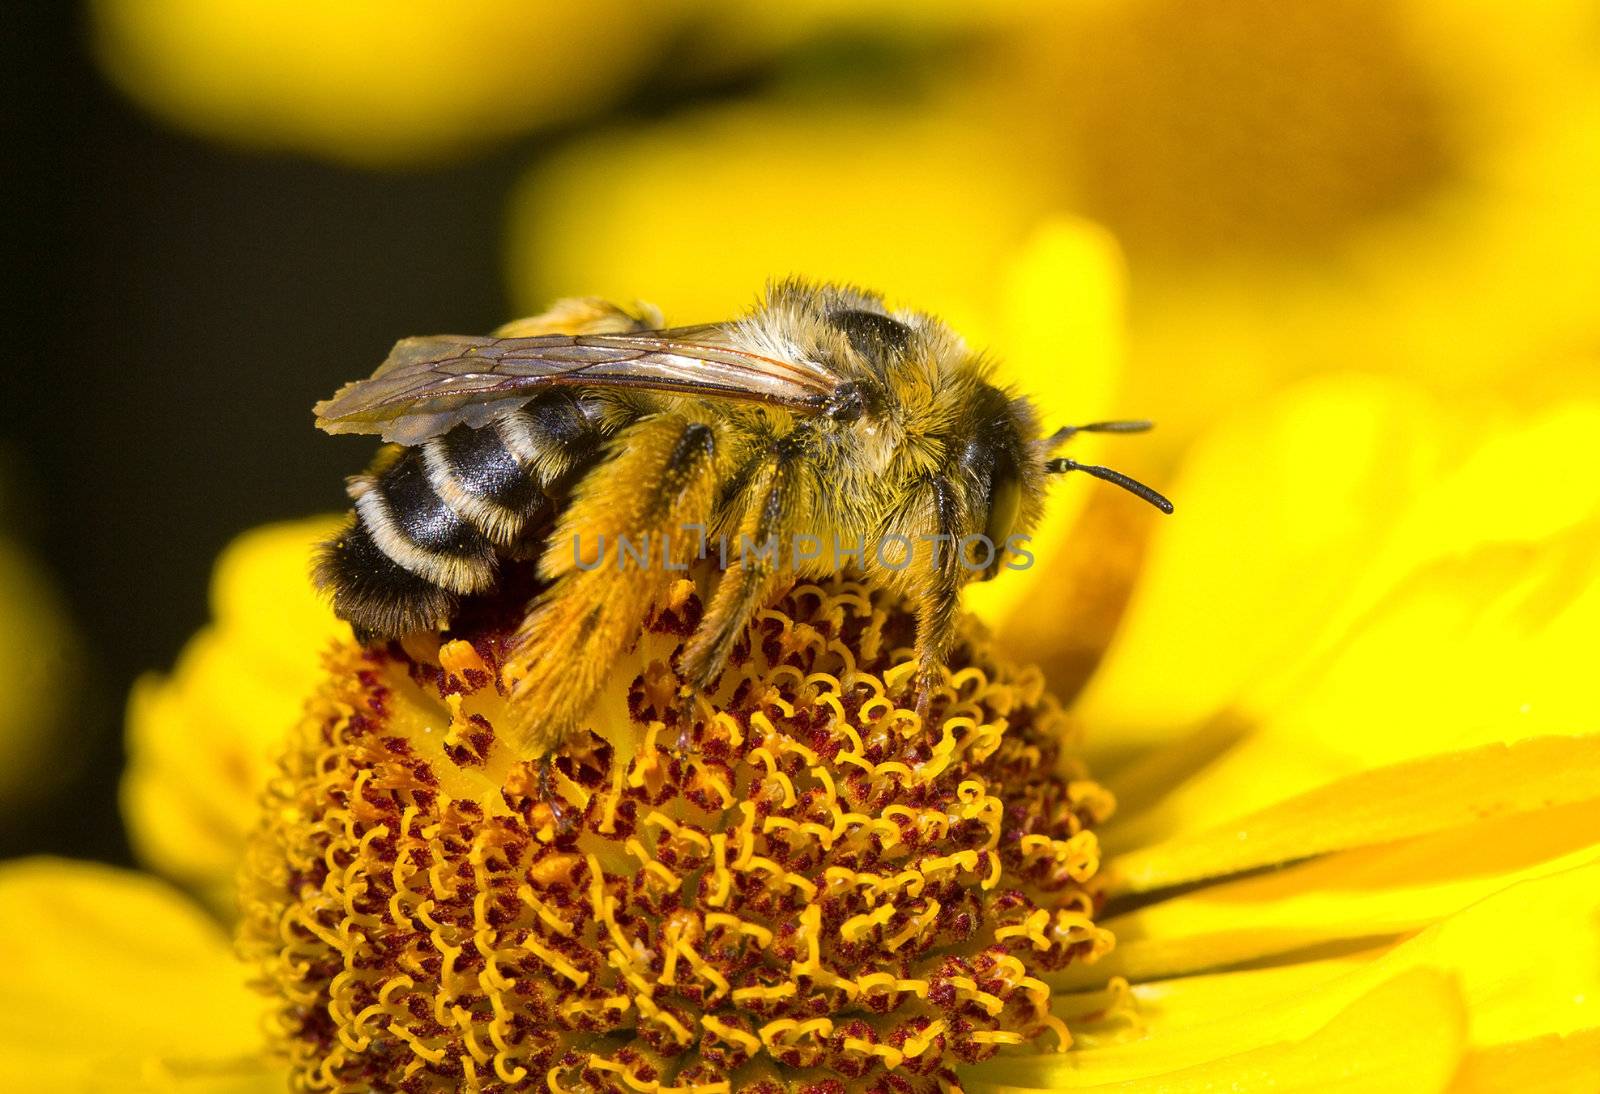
1005,472
912,369
1003,491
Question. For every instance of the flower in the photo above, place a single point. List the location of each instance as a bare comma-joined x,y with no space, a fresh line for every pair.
812,882
1379,694
880,195
1340,704
1299,189
372,83
1405,187
1397,187
37,640
237,685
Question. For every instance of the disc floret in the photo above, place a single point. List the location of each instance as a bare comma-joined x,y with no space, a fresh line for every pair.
822,892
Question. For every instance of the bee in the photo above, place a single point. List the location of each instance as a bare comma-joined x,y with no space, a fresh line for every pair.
821,415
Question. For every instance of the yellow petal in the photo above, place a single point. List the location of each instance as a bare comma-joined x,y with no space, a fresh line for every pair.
262,598
1526,960
201,742
1269,534
1550,1065
1390,803
1356,1051
1507,537
371,82
1221,1011
1481,648
1467,622
113,982
1350,896
728,199
1062,347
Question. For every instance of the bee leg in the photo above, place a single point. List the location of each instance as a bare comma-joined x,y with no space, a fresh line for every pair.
935,628
750,580
939,601
742,590
566,645
738,595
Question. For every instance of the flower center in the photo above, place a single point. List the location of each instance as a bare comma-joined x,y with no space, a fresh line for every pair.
1218,126
809,890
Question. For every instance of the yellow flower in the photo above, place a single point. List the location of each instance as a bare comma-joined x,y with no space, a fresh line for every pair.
1362,665
37,641
1300,188
369,82
1400,187
885,196
202,741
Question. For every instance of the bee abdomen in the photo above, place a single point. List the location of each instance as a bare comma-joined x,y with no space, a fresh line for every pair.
419,530
431,523
550,436
473,473
498,477
378,596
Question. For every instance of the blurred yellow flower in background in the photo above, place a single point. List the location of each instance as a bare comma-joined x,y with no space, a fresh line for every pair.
370,82
1400,187
702,209
236,685
1299,189
37,641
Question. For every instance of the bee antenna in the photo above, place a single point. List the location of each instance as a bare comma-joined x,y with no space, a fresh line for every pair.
1066,431
1062,465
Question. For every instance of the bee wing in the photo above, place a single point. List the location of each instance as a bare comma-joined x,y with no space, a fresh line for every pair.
429,385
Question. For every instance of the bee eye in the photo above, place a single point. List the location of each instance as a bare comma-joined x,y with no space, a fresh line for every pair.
1005,501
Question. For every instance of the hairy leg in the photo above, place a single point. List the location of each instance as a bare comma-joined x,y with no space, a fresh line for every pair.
939,595
660,477
772,512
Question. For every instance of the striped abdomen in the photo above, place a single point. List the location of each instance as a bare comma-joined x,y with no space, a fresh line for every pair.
431,523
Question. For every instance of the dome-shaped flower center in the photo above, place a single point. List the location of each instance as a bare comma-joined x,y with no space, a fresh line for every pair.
809,890
1212,126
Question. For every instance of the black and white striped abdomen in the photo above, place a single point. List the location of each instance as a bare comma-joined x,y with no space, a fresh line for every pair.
431,523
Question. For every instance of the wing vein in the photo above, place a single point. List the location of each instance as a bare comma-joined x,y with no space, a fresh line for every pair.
429,385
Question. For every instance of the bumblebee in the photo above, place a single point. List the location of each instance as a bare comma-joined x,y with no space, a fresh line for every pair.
818,431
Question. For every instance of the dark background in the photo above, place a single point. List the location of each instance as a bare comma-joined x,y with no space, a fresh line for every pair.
176,307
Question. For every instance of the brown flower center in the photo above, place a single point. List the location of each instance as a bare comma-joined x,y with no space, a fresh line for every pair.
815,893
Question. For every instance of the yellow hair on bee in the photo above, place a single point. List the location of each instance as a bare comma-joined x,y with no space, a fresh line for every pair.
601,591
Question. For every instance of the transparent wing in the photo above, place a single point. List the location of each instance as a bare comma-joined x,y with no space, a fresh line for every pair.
429,385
